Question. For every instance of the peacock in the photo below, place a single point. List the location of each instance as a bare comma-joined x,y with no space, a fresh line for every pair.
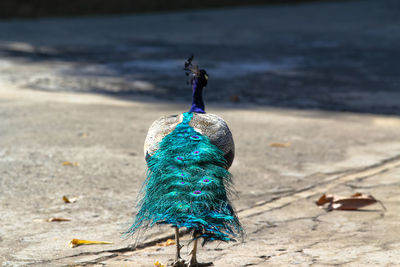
188,183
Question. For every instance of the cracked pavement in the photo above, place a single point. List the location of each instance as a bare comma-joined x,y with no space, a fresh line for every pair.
91,99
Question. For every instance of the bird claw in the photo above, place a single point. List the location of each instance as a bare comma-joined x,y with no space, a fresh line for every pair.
197,264
179,263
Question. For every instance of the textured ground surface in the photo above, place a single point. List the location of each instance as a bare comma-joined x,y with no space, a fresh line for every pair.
86,91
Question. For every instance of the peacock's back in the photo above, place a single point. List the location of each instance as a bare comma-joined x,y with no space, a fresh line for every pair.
209,125
188,183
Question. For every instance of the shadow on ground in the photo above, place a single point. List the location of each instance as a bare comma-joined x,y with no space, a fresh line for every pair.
330,56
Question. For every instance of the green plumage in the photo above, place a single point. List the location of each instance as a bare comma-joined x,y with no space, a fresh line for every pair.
187,186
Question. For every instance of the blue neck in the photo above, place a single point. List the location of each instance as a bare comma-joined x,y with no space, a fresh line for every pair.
197,97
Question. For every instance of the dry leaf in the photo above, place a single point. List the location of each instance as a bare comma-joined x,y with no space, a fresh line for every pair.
69,163
69,200
83,135
57,219
169,242
52,219
158,264
235,98
354,202
77,242
66,200
279,144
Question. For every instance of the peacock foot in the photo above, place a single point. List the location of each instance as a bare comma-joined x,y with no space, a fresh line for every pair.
197,264
179,263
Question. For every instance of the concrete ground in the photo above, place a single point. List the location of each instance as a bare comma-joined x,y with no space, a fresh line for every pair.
321,78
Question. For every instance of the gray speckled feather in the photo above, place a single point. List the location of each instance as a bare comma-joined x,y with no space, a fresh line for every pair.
210,125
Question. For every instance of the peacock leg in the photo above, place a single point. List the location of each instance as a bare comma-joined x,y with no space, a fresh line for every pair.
178,246
178,260
193,260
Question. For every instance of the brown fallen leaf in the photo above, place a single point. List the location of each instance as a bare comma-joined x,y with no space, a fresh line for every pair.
235,98
55,219
83,135
354,202
169,242
279,144
69,163
69,200
78,242
52,219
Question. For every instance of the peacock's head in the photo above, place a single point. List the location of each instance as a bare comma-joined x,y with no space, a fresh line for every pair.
203,78
197,75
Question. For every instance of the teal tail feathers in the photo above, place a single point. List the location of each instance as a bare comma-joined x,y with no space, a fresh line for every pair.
188,185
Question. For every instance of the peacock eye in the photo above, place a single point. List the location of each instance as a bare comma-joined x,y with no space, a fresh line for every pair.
181,183
195,137
197,193
196,152
205,180
179,159
182,175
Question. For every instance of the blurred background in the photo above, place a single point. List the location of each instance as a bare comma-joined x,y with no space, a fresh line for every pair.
39,8
329,55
